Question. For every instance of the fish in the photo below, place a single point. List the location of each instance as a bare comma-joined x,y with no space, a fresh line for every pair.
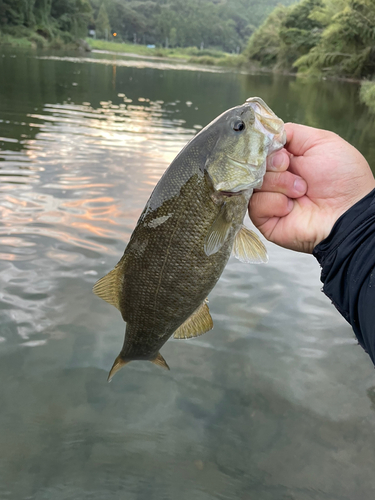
191,224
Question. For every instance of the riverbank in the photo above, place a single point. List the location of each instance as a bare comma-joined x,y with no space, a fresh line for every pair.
22,37
189,54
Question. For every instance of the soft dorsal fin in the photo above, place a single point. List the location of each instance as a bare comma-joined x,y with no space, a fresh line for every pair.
197,324
108,288
160,361
248,248
217,233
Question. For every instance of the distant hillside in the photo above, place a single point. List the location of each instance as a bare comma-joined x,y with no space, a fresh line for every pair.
222,24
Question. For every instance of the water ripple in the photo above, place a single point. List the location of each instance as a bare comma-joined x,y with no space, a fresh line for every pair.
67,197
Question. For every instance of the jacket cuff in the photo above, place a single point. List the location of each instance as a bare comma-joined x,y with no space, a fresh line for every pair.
348,228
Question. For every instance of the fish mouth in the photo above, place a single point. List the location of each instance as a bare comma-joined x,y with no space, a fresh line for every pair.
268,123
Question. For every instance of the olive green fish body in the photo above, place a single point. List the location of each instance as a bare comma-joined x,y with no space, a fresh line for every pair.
187,231
167,274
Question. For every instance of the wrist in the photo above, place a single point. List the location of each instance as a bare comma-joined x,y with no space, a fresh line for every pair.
345,222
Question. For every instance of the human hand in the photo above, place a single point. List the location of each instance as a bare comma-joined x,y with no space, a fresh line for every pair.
307,186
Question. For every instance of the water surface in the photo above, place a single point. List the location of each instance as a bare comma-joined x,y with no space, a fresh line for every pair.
276,403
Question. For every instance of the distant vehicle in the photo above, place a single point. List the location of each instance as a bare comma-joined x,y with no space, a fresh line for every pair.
151,46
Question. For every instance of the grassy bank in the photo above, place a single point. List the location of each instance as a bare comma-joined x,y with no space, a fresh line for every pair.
188,54
28,38
12,41
22,37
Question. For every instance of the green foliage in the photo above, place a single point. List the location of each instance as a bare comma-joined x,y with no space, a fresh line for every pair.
72,16
206,60
334,37
367,95
264,44
183,23
103,28
299,15
38,40
225,24
15,12
228,60
347,45
189,54
13,41
46,18
287,34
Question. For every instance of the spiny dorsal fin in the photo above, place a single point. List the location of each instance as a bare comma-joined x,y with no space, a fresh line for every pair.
108,288
217,233
160,361
248,248
117,365
197,324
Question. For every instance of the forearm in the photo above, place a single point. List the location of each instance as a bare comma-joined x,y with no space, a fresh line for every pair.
347,257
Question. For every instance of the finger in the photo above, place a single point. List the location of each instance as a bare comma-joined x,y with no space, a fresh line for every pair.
264,206
278,161
300,138
286,183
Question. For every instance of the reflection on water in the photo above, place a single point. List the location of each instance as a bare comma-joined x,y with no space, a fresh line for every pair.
275,403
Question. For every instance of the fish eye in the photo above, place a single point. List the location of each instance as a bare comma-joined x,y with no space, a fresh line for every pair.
238,126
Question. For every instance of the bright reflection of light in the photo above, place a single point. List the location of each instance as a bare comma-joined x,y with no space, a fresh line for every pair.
70,198
81,155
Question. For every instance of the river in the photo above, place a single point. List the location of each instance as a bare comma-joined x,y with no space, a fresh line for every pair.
276,403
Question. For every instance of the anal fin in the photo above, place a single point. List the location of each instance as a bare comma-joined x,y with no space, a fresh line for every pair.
108,288
248,248
197,324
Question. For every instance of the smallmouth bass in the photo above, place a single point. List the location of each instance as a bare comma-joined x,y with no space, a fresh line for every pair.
187,231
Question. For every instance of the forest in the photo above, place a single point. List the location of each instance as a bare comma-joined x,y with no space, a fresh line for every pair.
310,37
221,24
318,37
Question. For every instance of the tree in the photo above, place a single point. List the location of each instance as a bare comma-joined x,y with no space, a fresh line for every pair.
103,28
264,44
347,45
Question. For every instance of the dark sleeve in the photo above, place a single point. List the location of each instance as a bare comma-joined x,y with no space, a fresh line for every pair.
347,258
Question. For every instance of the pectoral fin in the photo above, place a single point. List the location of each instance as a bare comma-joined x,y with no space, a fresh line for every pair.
197,324
248,248
108,288
217,233
160,361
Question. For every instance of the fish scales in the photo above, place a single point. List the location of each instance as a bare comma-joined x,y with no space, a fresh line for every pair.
187,231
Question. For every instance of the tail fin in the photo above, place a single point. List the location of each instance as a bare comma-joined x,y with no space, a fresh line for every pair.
120,362
117,365
160,361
